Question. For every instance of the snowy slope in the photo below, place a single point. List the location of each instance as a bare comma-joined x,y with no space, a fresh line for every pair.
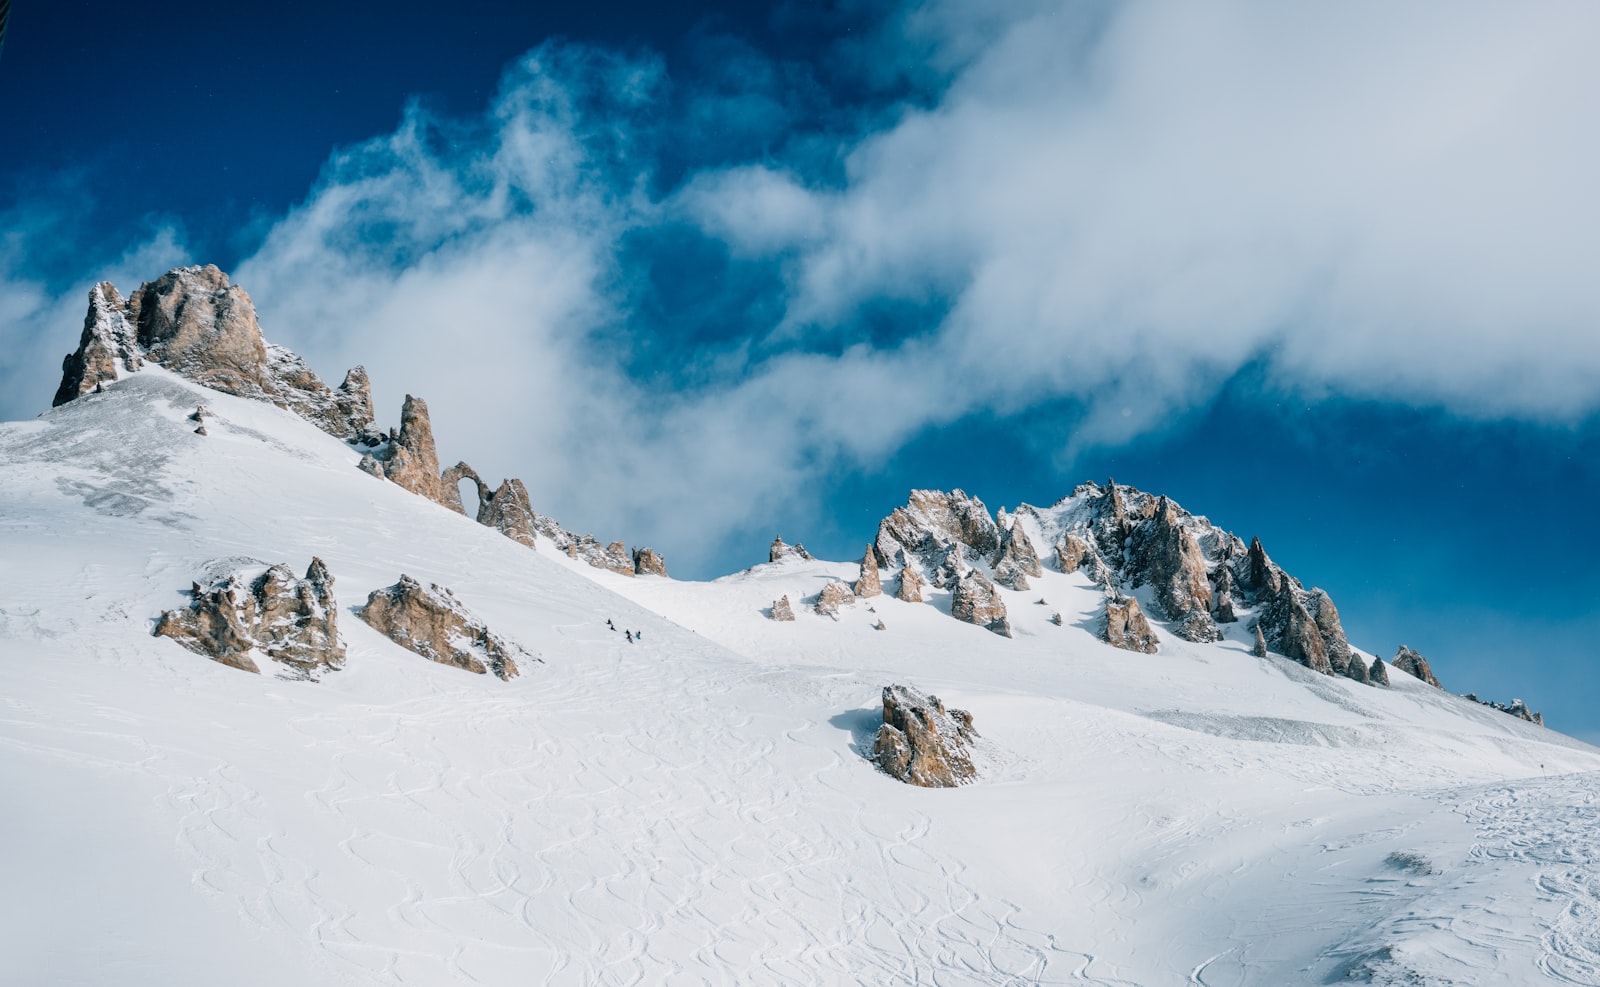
694,807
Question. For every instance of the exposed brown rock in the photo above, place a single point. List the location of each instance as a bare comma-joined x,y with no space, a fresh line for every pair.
648,562
910,589
450,487
507,511
1127,628
194,322
870,582
832,597
1297,636
1415,665
1260,648
923,743
242,612
431,622
413,461
974,599
781,609
1378,673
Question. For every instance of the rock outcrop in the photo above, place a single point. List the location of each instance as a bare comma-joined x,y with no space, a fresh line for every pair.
508,511
974,599
933,519
832,597
648,562
910,588
1016,560
246,610
869,583
1412,663
1259,649
412,461
1125,627
1378,673
781,609
923,743
1516,708
431,622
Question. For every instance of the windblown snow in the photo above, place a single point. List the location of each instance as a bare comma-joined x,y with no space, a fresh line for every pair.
695,806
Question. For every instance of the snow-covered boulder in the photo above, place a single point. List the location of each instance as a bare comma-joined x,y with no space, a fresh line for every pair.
431,622
247,610
923,743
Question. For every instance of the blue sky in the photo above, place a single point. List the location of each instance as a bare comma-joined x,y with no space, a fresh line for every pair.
705,272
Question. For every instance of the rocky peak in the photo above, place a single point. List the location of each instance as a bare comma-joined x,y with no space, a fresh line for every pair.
201,326
1412,663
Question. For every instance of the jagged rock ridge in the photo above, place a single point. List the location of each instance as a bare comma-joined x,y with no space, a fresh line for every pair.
1143,551
245,609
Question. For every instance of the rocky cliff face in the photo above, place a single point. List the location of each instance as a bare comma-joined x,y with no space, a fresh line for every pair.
243,611
923,743
780,550
431,622
648,562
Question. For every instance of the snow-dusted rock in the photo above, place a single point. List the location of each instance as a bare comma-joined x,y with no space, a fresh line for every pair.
413,460
1125,626
1378,673
974,599
1164,553
1070,552
1016,560
431,622
1259,649
1412,663
244,610
781,610
921,742
108,345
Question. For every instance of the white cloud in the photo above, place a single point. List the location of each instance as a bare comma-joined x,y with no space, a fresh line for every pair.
1119,206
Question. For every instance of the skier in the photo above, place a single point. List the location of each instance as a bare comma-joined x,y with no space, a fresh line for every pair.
638,635
610,624
628,635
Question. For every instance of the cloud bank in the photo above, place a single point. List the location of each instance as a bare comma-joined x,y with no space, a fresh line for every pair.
679,306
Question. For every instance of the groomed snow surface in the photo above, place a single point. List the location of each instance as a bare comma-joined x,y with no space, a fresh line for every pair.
695,807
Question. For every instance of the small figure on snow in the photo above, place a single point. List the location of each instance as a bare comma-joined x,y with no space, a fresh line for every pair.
610,624
628,635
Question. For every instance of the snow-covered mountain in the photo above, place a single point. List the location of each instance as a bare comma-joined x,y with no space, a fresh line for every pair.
662,783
